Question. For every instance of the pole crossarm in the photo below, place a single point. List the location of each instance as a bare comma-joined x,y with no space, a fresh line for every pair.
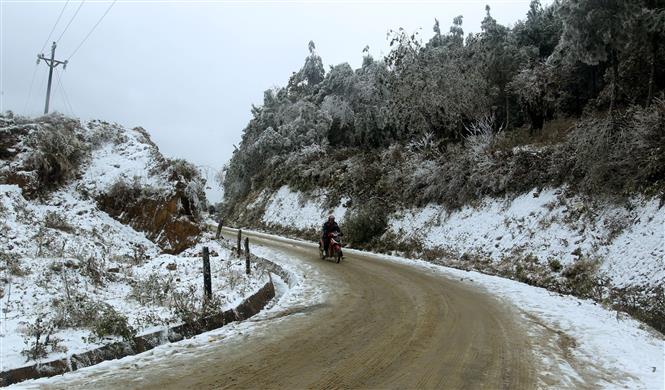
52,63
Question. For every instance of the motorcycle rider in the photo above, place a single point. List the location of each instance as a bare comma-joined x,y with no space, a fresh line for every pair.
330,226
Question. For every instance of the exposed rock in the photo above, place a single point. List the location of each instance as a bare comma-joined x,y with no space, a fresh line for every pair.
163,221
73,264
56,266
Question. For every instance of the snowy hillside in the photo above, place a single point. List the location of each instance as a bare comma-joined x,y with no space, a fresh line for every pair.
120,170
610,252
627,239
98,236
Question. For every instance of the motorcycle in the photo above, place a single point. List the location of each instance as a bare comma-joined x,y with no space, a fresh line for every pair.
334,247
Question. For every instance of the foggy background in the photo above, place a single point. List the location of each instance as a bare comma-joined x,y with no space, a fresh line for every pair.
188,71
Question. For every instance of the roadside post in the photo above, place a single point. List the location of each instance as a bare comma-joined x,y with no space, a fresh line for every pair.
207,281
247,255
239,240
219,229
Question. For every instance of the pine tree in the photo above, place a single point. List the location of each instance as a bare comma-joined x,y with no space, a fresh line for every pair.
596,31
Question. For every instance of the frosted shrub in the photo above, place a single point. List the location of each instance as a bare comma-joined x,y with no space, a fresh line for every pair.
56,153
194,192
481,136
55,220
80,311
110,322
425,147
12,265
153,290
366,223
124,193
94,268
616,157
338,109
40,340
194,185
581,277
101,133
189,306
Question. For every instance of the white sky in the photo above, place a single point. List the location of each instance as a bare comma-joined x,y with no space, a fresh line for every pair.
188,71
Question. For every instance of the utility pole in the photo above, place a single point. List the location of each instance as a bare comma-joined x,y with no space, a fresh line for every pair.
51,63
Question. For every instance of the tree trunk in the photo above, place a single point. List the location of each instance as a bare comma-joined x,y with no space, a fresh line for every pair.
652,72
615,82
507,111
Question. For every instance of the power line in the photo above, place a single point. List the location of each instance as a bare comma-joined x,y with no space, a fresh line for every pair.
65,109
91,30
32,82
54,26
70,21
63,92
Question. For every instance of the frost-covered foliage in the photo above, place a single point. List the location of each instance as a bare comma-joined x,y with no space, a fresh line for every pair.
592,159
445,120
42,155
190,178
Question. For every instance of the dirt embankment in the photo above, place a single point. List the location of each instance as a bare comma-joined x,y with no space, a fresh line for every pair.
163,220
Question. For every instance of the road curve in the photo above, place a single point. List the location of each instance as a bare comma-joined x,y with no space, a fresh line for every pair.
383,325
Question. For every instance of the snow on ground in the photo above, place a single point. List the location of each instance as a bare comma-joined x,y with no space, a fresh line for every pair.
65,225
291,209
70,267
306,287
122,154
137,291
604,341
628,239
63,253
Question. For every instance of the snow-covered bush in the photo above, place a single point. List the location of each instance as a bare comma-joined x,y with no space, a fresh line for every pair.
189,306
426,146
12,265
153,290
100,133
40,340
189,175
80,311
55,220
364,224
110,322
581,277
56,151
618,155
481,136
124,193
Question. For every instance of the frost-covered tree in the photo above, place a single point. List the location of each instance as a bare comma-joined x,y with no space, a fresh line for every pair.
309,75
535,88
436,88
501,59
539,33
413,107
596,31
